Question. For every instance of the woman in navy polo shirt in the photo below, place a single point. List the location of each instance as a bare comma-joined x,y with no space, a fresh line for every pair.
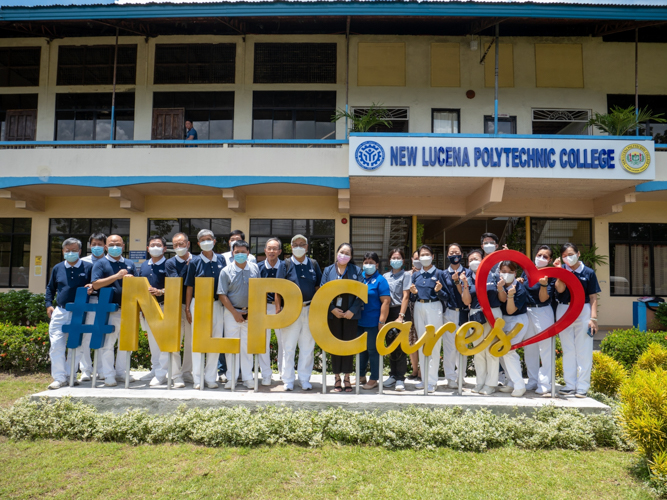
577,339
373,316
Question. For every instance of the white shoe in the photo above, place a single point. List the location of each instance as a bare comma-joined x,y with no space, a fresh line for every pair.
211,385
250,384
486,390
121,378
222,378
419,385
178,383
196,387
266,380
149,376
517,393
505,388
478,388
453,384
110,382
289,387
228,384
306,386
400,386
85,378
187,378
531,387
156,381
56,385
389,382
431,388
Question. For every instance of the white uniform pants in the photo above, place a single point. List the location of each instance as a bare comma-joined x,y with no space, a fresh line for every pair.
265,359
86,363
211,366
186,338
486,365
577,350
429,313
298,334
450,356
540,319
159,359
234,330
106,352
512,361
58,340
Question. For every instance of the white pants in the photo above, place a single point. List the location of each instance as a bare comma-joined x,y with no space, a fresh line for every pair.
58,341
265,359
106,352
298,334
86,363
486,365
211,366
577,350
159,359
234,330
186,338
429,313
512,361
450,356
540,319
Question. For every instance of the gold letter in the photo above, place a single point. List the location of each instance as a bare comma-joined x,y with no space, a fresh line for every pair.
202,322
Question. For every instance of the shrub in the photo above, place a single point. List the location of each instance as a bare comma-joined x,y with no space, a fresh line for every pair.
625,346
661,316
607,374
21,307
654,357
24,348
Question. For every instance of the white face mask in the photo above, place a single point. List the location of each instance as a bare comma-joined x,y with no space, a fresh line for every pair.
155,251
416,264
572,260
489,247
541,262
426,261
474,265
508,277
207,245
181,251
298,252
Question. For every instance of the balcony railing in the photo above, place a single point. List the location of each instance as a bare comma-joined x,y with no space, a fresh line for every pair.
269,143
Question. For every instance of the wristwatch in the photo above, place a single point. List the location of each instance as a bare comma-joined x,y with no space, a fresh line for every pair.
402,315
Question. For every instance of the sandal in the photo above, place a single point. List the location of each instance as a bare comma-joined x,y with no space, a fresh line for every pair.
372,384
337,386
348,385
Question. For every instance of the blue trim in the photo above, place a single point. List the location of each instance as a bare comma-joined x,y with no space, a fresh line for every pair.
649,187
399,8
314,142
511,136
221,181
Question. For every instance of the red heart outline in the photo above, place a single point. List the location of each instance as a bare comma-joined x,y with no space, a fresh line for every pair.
577,294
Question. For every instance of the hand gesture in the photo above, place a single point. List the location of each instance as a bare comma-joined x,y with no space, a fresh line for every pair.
557,262
544,281
501,285
520,280
438,286
455,277
348,315
505,247
512,291
413,289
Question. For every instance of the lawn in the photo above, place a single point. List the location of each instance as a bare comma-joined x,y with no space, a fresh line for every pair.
13,387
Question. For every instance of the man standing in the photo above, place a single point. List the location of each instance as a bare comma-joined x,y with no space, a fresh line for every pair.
237,235
306,274
66,277
233,294
110,272
207,265
177,267
190,132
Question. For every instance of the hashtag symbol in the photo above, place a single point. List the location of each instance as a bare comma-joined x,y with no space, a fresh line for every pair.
100,326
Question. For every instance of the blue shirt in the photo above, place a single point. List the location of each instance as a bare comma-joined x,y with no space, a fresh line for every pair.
455,300
271,272
377,287
307,276
64,281
108,266
201,267
352,272
191,133
177,268
491,292
588,280
425,282
235,282
521,300
155,273
534,291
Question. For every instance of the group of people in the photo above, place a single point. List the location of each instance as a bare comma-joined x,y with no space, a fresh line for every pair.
413,290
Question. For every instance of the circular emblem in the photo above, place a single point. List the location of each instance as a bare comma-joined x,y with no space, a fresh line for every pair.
369,155
635,158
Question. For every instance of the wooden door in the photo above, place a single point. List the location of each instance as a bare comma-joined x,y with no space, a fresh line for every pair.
20,125
168,124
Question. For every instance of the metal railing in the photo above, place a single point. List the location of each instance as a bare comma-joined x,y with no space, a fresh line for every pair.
232,143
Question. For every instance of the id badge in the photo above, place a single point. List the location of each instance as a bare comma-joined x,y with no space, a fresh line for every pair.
339,301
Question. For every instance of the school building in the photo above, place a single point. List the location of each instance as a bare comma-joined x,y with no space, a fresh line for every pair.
260,81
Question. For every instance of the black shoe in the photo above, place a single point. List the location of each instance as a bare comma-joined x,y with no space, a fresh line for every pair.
581,395
566,392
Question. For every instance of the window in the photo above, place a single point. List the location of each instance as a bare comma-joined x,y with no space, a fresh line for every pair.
15,253
195,63
561,121
87,117
397,117
295,63
211,113
13,103
556,232
506,124
19,66
638,259
320,233
169,227
93,65
61,229
655,103
445,121
380,235
293,115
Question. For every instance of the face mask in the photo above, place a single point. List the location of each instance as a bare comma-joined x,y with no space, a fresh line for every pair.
115,251
181,251
541,262
298,252
396,264
97,251
508,277
454,259
342,258
370,269
474,265
71,257
155,251
207,245
426,261
489,247
572,260
416,264
240,257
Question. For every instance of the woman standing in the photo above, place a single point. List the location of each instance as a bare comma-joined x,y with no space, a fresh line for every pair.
577,339
414,357
344,311
457,313
399,286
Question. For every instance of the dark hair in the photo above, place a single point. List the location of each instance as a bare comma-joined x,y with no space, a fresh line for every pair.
237,232
351,261
181,234
242,244
156,237
188,120
373,256
415,252
564,248
508,263
98,236
489,235
474,251
424,247
545,247
398,251
455,245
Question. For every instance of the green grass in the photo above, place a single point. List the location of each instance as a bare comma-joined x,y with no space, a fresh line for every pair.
13,387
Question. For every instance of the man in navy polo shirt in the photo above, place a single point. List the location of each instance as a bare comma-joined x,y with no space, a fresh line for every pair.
271,267
306,273
66,277
207,265
110,272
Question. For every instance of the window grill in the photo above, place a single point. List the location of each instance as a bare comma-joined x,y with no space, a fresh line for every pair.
195,63
560,121
93,65
19,66
295,63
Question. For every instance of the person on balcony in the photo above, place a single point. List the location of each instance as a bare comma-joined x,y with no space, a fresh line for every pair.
190,132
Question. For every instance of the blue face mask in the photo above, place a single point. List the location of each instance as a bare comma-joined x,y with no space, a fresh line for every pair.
454,259
97,251
370,269
115,251
71,257
396,264
240,257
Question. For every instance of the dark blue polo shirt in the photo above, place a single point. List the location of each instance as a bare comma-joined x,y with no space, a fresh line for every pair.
155,273
200,269
377,287
177,269
104,268
274,272
352,272
491,293
307,276
534,291
521,300
588,280
65,280
455,300
425,282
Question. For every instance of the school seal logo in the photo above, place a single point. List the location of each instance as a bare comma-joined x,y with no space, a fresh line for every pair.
635,158
369,155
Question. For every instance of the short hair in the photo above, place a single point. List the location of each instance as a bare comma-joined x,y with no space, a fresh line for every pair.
545,247
72,241
237,232
298,237
415,252
476,251
454,245
181,234
372,256
489,235
98,236
234,243
399,251
156,237
277,240
424,247
188,120
564,248
508,263
242,244
205,232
